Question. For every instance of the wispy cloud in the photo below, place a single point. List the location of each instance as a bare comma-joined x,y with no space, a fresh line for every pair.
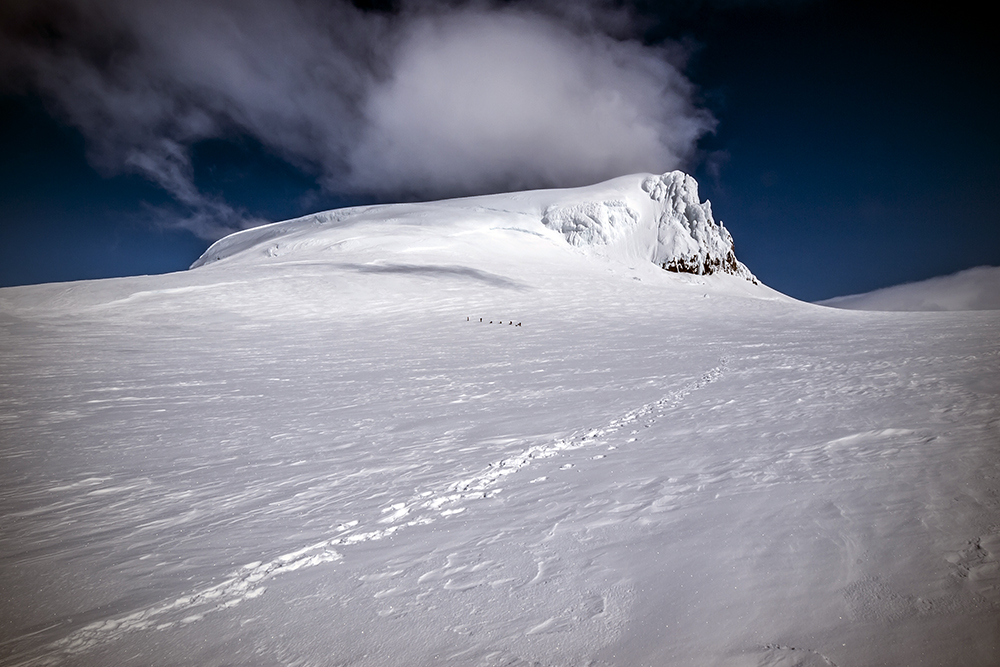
434,99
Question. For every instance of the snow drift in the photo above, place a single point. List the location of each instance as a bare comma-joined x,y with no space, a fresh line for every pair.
972,289
642,217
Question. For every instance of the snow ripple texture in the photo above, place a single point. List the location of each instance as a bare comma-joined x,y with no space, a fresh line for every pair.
248,582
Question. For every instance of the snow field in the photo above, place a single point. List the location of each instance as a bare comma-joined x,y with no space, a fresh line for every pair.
319,456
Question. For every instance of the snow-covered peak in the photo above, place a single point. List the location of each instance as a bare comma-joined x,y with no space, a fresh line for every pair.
642,217
668,226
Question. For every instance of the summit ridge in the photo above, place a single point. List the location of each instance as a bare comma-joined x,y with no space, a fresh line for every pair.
640,217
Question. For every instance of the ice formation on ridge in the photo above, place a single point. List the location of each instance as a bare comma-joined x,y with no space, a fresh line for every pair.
695,242
687,237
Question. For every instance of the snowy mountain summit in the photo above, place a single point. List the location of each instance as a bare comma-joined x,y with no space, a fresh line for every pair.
641,217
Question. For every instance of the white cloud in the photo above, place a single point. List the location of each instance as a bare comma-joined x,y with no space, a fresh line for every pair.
438,99
490,101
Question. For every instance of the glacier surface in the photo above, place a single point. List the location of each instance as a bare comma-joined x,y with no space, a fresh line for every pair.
332,444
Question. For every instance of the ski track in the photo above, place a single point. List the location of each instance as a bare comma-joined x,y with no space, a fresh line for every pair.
248,582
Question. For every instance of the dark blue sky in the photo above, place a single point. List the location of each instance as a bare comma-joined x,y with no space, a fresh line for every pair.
855,148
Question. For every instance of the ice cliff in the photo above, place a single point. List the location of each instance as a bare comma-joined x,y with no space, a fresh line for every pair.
677,232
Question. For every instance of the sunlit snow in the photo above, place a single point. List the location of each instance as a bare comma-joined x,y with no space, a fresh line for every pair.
973,289
490,432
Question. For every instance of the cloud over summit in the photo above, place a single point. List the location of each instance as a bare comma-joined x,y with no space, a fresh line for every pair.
432,100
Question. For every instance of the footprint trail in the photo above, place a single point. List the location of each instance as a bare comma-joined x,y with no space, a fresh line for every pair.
425,508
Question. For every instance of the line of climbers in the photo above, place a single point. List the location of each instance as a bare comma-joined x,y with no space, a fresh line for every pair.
511,323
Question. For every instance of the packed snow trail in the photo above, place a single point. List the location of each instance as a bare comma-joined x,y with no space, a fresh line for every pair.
249,581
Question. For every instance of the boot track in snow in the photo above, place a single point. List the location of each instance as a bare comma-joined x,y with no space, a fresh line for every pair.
425,508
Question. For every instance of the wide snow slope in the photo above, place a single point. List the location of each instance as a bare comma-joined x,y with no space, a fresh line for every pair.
972,289
322,457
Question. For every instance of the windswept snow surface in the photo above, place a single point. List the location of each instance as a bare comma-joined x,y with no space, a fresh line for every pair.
313,452
972,289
